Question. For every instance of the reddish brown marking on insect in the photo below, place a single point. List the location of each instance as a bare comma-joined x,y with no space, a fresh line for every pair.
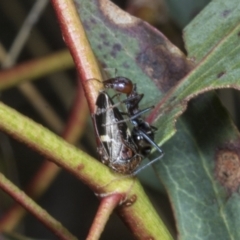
119,84
221,74
130,201
227,167
80,167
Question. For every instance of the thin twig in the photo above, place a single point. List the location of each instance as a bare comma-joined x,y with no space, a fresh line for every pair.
45,110
107,205
36,210
27,89
24,32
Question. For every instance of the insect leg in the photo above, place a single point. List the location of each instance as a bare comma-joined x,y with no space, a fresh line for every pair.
153,160
132,117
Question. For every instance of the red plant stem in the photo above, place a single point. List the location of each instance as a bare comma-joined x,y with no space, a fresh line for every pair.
107,205
79,46
37,211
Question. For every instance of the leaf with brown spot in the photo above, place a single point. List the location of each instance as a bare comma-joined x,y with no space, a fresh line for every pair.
132,47
138,51
227,166
217,68
188,171
204,190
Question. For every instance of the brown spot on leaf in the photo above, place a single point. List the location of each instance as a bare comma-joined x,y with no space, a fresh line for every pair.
165,67
93,21
115,49
225,13
227,168
106,43
157,57
126,65
103,36
221,74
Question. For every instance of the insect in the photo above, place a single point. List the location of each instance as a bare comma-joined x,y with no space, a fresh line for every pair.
116,146
142,132
125,85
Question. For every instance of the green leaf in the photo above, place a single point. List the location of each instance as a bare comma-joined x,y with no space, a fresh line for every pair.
200,166
218,69
210,27
134,48
200,186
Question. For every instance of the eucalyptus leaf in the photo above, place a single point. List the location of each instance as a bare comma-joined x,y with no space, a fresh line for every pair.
200,167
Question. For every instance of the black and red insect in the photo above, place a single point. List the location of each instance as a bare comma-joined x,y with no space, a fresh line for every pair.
116,146
121,149
142,132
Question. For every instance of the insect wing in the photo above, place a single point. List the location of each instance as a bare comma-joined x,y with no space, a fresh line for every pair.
110,134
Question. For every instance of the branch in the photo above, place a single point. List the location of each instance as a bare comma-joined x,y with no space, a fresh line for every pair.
37,211
49,170
107,205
